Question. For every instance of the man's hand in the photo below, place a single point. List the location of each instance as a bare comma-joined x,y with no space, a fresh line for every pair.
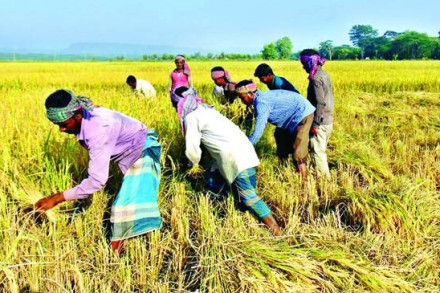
49,202
314,131
196,172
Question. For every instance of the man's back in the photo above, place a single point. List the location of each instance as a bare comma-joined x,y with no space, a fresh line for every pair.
121,135
280,83
224,140
145,88
284,106
320,95
284,109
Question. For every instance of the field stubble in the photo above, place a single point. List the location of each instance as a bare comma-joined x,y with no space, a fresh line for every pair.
373,227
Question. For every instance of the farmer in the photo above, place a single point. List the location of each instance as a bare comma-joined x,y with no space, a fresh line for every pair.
180,76
141,86
111,136
225,87
234,155
290,112
320,94
273,82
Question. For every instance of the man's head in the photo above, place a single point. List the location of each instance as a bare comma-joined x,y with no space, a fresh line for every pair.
131,81
64,112
245,90
219,76
264,73
304,57
180,90
179,60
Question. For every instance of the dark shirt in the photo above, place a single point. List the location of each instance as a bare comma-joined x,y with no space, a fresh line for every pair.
230,93
320,95
280,83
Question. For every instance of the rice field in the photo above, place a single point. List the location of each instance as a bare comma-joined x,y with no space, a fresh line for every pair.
374,227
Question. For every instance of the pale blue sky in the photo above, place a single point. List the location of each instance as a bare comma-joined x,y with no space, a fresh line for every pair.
208,25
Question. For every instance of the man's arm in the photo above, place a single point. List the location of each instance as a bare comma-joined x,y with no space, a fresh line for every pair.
193,138
49,202
100,151
318,88
262,115
99,164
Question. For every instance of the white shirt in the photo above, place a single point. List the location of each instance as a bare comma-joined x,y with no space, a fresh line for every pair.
218,92
145,88
226,143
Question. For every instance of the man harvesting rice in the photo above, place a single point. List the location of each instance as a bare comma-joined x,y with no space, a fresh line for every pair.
111,136
289,111
265,74
229,147
320,94
141,87
224,86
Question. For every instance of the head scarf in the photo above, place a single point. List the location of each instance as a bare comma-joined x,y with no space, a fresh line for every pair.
187,104
312,63
58,115
220,73
186,69
252,87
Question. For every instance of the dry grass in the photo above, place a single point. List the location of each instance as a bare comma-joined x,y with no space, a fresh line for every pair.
374,227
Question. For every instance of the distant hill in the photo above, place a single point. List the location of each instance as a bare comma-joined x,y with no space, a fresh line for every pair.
105,51
112,50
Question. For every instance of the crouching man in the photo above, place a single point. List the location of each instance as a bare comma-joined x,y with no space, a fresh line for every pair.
111,136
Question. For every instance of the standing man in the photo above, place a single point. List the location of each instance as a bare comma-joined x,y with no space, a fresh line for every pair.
111,136
265,75
141,86
234,155
320,94
290,112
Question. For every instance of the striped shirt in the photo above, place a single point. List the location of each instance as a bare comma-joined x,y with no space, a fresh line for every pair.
284,109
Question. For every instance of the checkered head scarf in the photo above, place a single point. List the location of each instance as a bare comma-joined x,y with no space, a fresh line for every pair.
58,115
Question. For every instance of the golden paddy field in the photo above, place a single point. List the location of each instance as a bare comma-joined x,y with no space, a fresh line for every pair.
374,227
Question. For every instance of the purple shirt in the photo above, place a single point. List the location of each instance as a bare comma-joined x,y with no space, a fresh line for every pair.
107,135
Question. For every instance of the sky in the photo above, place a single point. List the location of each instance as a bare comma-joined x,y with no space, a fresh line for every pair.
230,26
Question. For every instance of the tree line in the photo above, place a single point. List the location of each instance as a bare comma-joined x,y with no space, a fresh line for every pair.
368,44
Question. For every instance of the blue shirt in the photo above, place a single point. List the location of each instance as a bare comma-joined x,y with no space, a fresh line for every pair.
282,108
280,83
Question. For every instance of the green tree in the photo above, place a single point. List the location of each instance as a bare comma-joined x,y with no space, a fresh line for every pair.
359,32
361,35
269,52
284,48
346,52
376,48
413,45
391,34
326,49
